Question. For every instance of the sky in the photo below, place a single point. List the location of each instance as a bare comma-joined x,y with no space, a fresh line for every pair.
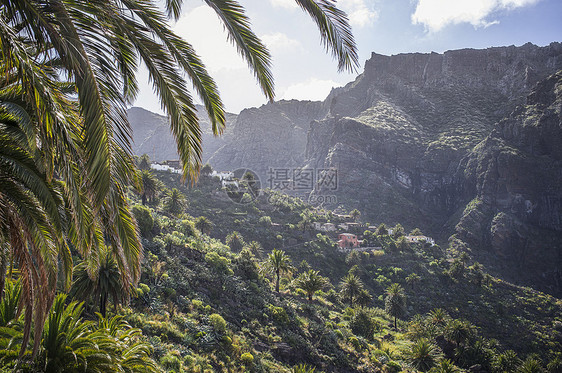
303,70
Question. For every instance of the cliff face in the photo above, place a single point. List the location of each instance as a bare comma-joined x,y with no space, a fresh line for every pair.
273,135
517,173
406,123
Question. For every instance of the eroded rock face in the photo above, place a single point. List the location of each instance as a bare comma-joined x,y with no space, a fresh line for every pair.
412,118
273,135
517,173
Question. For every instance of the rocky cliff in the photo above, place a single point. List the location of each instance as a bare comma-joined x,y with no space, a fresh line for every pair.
404,125
514,224
272,136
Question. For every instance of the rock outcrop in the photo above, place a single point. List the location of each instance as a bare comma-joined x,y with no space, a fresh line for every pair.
273,135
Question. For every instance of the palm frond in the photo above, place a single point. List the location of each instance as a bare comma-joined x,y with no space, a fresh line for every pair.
250,47
335,31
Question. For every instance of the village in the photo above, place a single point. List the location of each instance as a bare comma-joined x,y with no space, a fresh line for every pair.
347,233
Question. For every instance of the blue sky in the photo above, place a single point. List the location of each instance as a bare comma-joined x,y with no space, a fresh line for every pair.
303,70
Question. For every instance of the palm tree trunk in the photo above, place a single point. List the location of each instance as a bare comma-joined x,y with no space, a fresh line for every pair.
395,322
277,281
103,303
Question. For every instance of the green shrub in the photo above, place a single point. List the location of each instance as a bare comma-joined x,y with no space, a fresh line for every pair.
278,314
363,324
265,221
355,343
392,367
171,363
217,322
220,263
247,358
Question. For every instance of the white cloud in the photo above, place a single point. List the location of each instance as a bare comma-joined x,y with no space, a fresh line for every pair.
436,14
359,12
278,42
288,4
312,89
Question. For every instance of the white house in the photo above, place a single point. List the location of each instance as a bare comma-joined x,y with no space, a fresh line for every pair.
164,167
328,227
416,239
226,183
324,227
223,175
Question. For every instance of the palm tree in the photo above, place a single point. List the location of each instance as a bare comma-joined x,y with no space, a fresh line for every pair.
438,317
79,128
255,248
506,362
398,231
395,302
144,162
531,365
99,44
278,262
413,279
149,186
458,331
311,282
43,184
351,287
381,230
67,342
174,202
204,225
423,355
235,241
100,278
31,228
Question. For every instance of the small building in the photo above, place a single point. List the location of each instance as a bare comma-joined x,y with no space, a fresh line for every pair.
329,227
354,227
223,175
417,239
174,163
347,241
164,167
324,227
232,184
